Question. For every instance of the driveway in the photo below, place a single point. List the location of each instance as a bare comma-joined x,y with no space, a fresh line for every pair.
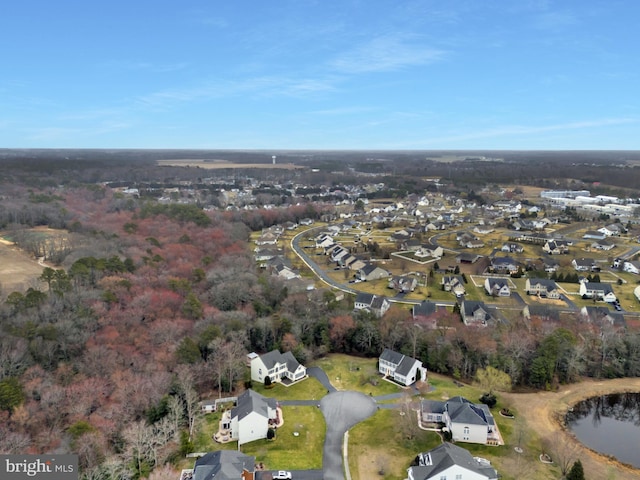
341,410
321,376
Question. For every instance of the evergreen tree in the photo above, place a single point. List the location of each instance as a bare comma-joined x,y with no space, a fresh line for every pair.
576,472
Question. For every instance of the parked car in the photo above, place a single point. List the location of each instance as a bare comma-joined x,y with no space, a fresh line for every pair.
282,475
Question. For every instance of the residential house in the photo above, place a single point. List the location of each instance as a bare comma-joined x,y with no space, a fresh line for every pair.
403,369
306,222
497,287
585,265
597,290
454,284
541,311
369,302
467,422
281,267
504,265
338,253
324,241
631,267
556,247
424,313
483,229
474,313
511,247
428,250
223,465
267,238
610,230
477,243
278,367
593,235
372,272
467,258
403,283
601,315
605,244
251,418
448,461
542,287
352,263
263,254
550,265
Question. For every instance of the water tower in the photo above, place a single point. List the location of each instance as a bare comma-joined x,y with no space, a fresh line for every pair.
273,159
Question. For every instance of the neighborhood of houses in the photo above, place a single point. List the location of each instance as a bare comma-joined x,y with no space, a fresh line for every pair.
253,415
532,244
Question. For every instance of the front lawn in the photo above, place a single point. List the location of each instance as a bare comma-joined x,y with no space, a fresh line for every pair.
383,446
308,389
289,451
356,373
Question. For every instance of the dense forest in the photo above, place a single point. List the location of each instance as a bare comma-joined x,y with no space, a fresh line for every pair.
145,308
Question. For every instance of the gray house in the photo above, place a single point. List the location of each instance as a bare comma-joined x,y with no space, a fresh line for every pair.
224,465
448,461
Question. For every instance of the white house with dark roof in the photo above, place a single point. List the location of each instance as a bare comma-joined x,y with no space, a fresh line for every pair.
278,367
369,302
497,287
450,462
597,290
251,418
584,264
467,422
402,368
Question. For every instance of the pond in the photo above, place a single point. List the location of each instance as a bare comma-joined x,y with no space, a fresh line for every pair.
609,424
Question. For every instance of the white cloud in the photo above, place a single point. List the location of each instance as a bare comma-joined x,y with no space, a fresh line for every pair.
386,53
258,86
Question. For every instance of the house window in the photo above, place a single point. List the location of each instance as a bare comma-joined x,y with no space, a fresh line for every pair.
466,430
443,477
458,476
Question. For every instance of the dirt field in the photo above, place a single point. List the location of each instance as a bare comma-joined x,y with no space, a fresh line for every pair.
543,411
219,164
17,270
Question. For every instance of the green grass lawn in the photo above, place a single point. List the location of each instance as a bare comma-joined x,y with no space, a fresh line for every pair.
355,373
308,389
289,451
381,443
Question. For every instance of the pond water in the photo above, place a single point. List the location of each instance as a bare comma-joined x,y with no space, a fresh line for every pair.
609,424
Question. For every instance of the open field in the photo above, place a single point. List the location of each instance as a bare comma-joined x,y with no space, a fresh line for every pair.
18,271
220,164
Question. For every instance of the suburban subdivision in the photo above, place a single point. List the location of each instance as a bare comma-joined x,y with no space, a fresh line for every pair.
356,315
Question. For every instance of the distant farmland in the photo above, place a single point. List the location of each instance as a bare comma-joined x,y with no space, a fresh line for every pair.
221,164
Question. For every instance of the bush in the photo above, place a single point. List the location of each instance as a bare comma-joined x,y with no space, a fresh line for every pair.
489,399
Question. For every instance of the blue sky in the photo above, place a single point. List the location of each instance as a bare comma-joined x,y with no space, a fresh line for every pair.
343,74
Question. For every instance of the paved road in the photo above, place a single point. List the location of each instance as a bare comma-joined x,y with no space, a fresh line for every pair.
341,410
321,376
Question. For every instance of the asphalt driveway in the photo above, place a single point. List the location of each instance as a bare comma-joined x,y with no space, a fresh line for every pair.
341,410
